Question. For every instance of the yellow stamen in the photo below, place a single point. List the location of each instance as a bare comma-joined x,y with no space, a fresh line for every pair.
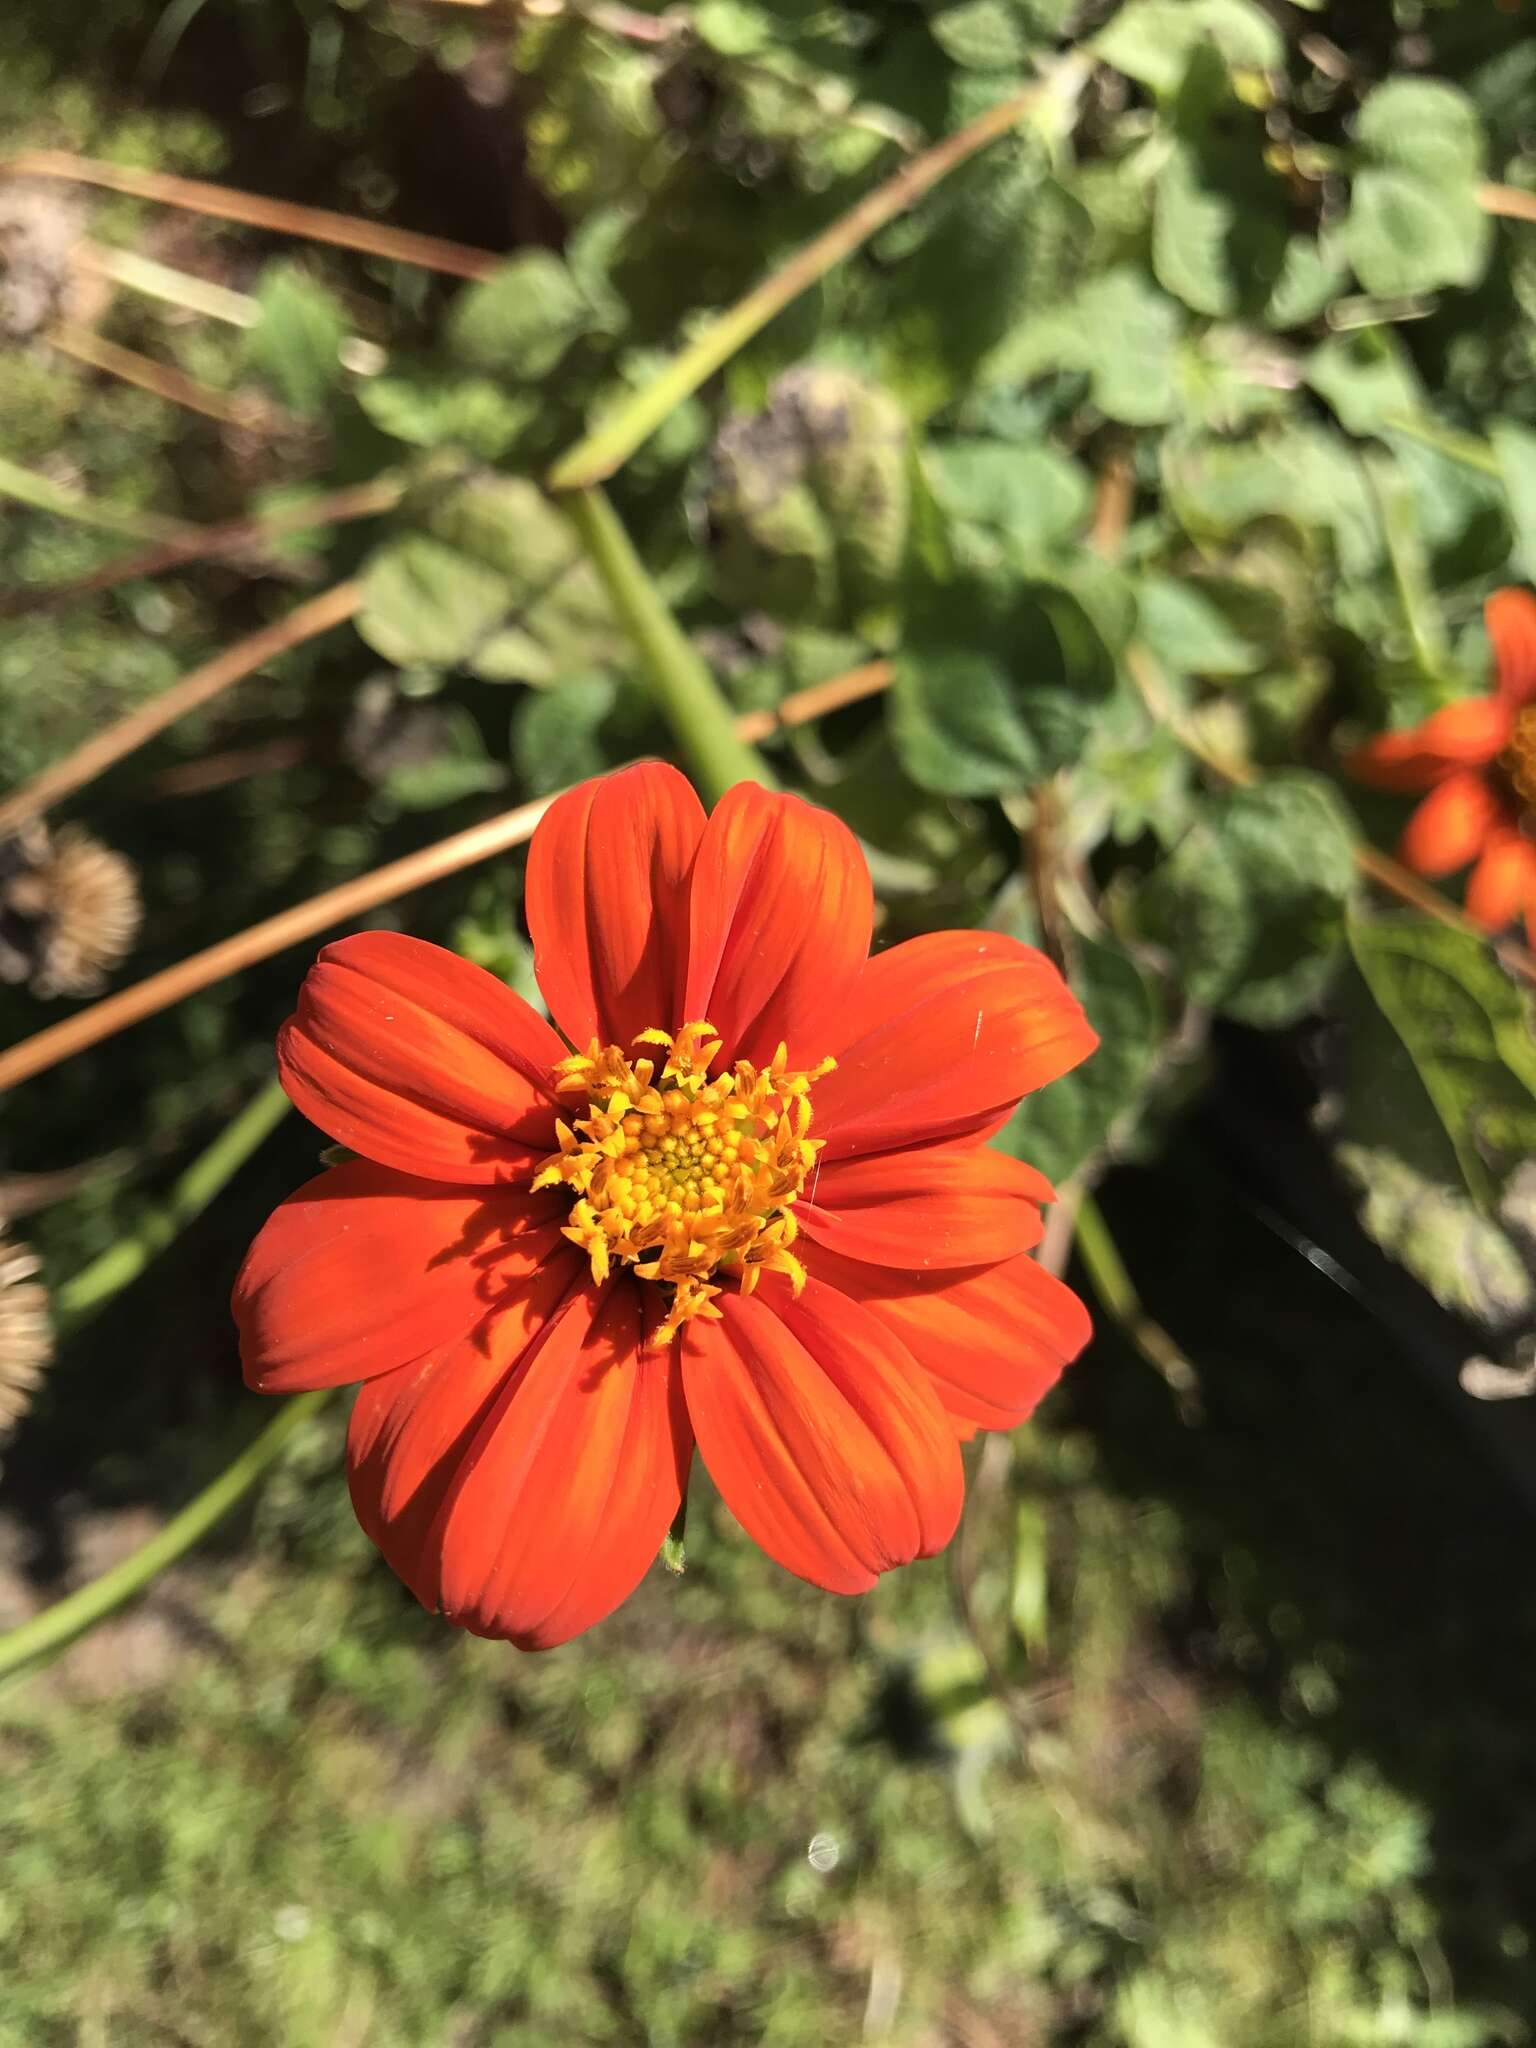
684,1178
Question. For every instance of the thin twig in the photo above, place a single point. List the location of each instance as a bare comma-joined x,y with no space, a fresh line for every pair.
273,935
350,899
42,494
241,536
231,409
1508,202
252,209
1112,500
200,687
817,701
610,444
239,764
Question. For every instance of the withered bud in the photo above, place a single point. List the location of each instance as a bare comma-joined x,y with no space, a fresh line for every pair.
26,1333
69,910
39,284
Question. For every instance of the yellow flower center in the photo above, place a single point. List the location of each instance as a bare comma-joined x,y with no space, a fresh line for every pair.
1518,760
680,1176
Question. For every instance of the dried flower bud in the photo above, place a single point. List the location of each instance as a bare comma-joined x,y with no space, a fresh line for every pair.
69,910
39,228
26,1334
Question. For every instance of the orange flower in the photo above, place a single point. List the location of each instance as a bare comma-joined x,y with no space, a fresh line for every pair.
778,1234
1477,759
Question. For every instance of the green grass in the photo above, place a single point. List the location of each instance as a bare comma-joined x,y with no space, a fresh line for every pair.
328,1819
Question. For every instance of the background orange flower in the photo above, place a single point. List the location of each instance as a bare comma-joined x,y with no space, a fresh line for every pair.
1477,759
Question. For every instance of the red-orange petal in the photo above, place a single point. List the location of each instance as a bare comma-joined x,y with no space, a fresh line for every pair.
1464,735
992,1340
1510,616
930,1206
365,1269
826,1442
607,903
569,1484
780,914
939,1038
1503,884
1451,825
421,1061
412,1429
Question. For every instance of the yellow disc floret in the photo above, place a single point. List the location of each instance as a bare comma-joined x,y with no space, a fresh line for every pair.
680,1176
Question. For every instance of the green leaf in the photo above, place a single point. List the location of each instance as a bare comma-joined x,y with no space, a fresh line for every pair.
1153,41
1515,447
1467,1262
520,321
1025,500
1195,629
1250,902
454,765
999,240
555,734
296,343
1062,1126
1306,474
1314,271
983,35
558,619
979,716
1119,331
429,410
1365,376
428,605
1468,1031
1218,227
1414,222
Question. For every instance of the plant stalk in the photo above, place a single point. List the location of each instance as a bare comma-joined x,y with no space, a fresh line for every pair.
80,1298
72,1616
685,691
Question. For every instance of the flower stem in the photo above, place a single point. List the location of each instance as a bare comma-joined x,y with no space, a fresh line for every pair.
686,692
91,1289
81,1610
1117,1294
611,443
41,494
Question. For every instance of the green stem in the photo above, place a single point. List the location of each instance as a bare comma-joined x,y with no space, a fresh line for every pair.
175,287
26,487
81,1610
611,443
682,686
77,1300
1117,1294
1405,554
1463,448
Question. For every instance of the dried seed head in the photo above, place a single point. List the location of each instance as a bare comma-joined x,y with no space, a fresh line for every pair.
26,1334
69,910
39,228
